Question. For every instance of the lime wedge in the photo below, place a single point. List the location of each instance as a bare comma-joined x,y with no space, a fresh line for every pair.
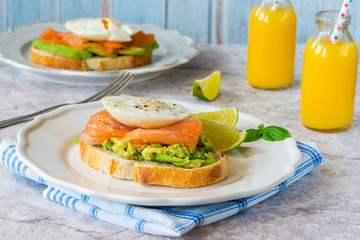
224,137
207,88
228,116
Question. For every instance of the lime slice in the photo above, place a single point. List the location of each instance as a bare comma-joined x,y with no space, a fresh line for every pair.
224,137
207,88
228,116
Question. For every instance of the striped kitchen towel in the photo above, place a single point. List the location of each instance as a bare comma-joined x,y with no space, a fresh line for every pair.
166,221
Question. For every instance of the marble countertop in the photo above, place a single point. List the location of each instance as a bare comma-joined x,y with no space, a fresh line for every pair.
324,204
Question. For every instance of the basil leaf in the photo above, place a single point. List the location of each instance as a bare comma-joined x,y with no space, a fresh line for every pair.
252,135
261,127
274,133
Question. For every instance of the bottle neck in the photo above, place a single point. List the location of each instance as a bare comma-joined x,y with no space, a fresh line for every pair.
329,21
265,3
329,28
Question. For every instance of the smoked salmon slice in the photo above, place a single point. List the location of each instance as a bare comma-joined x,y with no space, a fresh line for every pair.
111,46
143,40
139,39
186,131
67,39
103,126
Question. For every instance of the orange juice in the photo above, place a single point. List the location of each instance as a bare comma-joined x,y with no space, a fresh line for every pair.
271,47
328,84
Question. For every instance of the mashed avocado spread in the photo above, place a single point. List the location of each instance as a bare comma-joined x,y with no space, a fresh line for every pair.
177,154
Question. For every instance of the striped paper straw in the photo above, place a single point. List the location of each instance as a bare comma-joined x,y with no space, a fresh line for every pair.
339,25
274,5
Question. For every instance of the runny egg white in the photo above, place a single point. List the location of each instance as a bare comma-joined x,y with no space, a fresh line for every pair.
101,29
144,112
121,32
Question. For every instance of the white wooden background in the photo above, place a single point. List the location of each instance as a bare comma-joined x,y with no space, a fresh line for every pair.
208,21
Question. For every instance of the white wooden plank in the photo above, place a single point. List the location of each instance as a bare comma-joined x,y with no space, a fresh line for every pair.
208,21
80,9
140,11
3,15
216,22
235,21
355,22
305,12
190,17
331,5
25,12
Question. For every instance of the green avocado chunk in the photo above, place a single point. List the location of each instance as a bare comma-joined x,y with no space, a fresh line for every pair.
174,160
96,51
138,50
177,154
61,50
132,51
154,46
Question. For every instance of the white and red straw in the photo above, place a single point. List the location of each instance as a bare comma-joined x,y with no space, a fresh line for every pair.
274,5
339,25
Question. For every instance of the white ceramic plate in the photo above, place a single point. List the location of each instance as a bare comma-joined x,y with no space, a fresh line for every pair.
175,49
46,146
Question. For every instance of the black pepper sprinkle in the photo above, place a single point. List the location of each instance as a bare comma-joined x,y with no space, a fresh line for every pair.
136,106
145,105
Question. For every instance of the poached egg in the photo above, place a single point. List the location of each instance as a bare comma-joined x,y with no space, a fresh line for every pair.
101,29
144,112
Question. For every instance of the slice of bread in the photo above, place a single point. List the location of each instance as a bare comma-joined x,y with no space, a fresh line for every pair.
149,172
42,58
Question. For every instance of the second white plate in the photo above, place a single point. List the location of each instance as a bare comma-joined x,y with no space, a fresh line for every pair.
175,49
46,146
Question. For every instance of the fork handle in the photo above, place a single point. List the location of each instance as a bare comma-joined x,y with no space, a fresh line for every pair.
11,121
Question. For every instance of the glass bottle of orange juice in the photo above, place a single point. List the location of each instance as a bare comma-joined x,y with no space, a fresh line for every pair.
329,76
271,46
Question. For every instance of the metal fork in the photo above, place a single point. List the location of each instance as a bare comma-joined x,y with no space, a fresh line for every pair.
115,87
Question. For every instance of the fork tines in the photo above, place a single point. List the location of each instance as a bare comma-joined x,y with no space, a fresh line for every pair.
115,87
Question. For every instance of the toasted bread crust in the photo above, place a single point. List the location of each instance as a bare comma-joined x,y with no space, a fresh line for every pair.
148,172
43,58
122,62
40,57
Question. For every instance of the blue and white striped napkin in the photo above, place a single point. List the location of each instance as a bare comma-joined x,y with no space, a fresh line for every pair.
166,221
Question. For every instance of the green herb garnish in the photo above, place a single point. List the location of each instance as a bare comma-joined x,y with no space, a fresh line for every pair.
269,133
